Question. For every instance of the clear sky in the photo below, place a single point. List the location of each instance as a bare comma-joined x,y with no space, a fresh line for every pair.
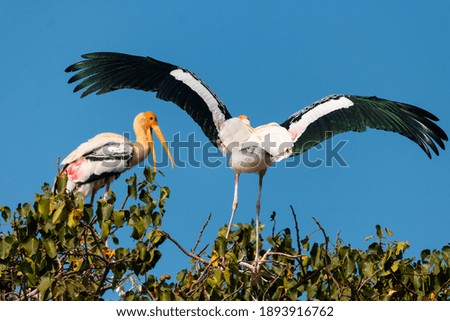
266,59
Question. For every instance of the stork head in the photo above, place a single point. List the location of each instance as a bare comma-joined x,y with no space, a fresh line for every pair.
244,118
148,121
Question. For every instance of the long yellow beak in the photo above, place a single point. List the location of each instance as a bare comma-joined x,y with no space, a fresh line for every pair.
161,138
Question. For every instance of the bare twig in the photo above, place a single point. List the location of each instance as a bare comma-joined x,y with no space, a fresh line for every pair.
32,294
327,240
264,257
361,285
297,233
443,287
225,298
404,286
247,265
58,165
191,255
325,257
201,279
102,281
277,277
297,230
124,202
201,233
206,269
202,250
286,255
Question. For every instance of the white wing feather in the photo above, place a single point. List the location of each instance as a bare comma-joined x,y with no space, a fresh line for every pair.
94,143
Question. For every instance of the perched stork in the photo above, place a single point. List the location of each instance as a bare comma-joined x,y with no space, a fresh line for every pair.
101,160
253,150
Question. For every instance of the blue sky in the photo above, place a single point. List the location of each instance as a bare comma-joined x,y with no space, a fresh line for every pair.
266,59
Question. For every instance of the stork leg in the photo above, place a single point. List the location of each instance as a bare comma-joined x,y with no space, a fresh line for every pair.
258,208
235,202
92,198
105,195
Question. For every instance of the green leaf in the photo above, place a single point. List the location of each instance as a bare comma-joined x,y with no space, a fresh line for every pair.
277,295
149,175
88,213
368,269
156,237
73,220
5,247
31,246
60,214
43,206
181,275
227,275
105,229
389,232
44,284
28,267
165,296
379,231
368,238
305,243
220,246
132,188
215,279
165,193
145,196
107,210
156,218
6,212
24,210
401,247
138,225
417,281
61,183
72,291
119,218
58,292
50,248
395,266
446,254
141,250
121,253
155,257
424,255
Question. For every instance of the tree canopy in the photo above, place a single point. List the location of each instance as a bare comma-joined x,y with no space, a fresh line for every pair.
59,248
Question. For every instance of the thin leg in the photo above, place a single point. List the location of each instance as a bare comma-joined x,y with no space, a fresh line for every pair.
258,207
92,198
105,195
235,202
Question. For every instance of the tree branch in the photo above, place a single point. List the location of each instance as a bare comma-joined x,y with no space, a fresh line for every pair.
191,255
297,232
201,233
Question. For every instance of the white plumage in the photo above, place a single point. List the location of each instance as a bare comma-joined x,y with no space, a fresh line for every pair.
100,160
252,150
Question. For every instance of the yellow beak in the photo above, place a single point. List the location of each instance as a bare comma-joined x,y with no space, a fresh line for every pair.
161,138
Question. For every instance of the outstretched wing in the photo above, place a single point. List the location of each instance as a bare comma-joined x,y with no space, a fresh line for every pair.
103,72
341,113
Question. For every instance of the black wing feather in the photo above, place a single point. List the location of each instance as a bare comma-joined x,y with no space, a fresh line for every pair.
410,121
103,72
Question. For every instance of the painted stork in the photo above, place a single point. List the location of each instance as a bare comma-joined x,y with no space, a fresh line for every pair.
254,149
101,160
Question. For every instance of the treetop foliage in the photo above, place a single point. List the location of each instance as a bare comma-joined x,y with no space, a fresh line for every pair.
59,248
